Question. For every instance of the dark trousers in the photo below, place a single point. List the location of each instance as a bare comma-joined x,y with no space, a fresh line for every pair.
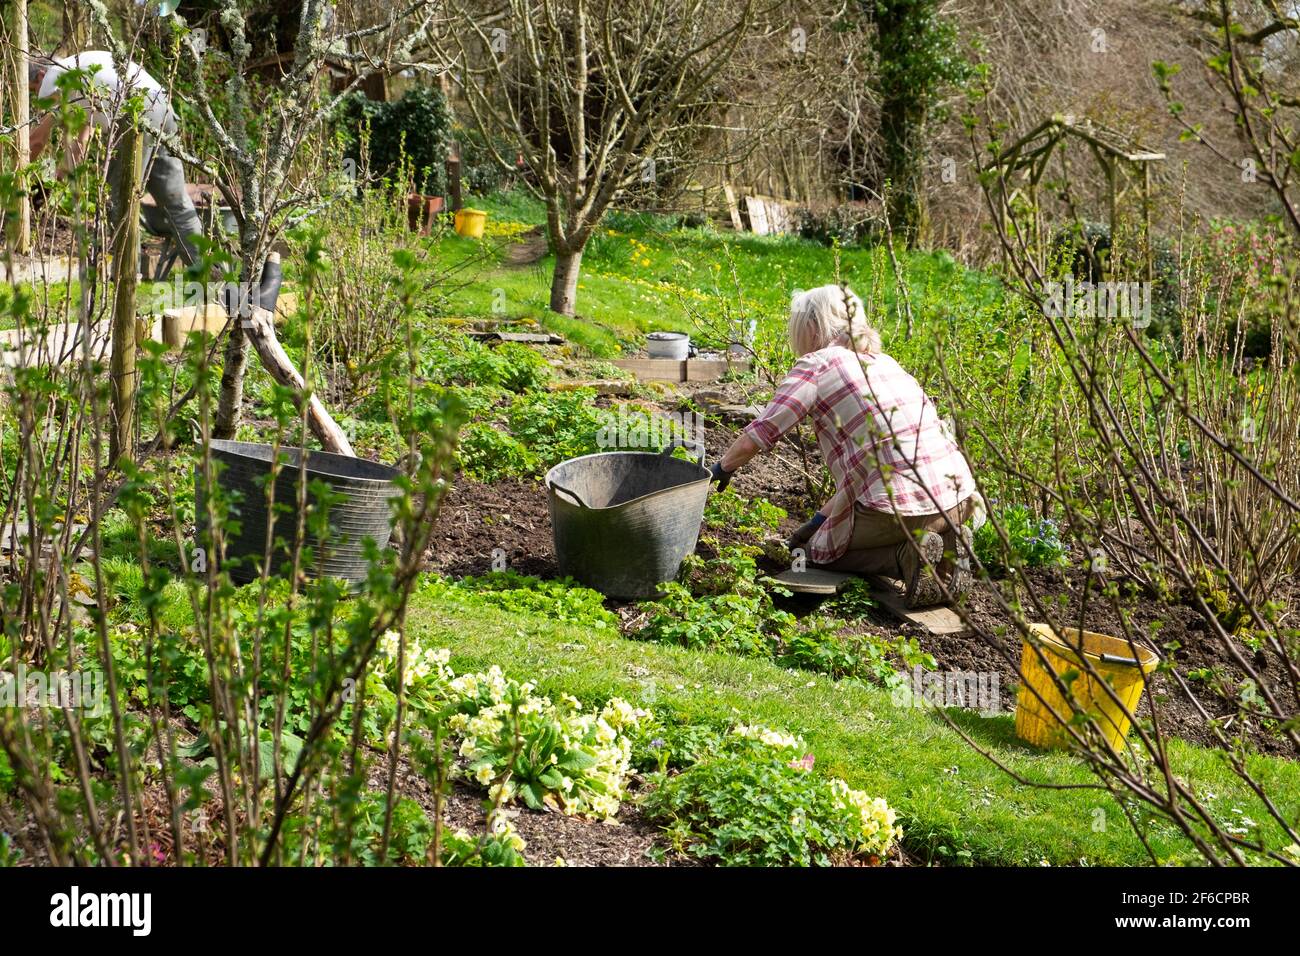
174,215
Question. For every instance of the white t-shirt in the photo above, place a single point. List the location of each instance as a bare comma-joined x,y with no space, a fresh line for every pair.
106,87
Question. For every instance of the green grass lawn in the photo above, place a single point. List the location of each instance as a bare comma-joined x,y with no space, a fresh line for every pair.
956,806
641,273
58,300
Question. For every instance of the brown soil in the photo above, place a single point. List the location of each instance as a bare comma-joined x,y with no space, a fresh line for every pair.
992,645
548,836
512,516
529,248
477,519
552,837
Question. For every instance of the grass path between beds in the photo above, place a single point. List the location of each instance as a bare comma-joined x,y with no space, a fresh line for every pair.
956,806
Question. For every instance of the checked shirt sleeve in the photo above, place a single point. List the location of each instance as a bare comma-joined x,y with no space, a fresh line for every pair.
793,400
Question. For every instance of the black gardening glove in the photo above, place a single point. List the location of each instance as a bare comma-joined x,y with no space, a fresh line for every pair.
720,475
806,531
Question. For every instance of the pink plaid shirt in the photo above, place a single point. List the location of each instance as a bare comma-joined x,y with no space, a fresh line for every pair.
879,434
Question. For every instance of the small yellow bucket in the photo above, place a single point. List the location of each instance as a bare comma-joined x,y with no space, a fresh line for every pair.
1041,721
470,223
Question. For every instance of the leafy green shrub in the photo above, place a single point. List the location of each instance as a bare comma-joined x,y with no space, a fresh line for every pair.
501,848
454,359
372,283
377,441
1034,542
600,368
421,403
822,644
556,426
722,603
669,741
177,654
854,602
488,453
1253,254
517,744
414,129
756,802
480,399
1086,249
722,607
410,838
739,623
522,368
752,517
480,172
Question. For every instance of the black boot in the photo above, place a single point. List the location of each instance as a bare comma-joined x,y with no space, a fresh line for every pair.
268,290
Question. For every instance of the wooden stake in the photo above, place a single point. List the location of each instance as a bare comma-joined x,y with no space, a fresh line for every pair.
21,114
126,263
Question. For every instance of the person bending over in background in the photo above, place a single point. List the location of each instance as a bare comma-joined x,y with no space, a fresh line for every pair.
903,489
104,92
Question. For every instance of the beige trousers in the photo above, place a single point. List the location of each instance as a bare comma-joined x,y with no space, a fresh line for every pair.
873,549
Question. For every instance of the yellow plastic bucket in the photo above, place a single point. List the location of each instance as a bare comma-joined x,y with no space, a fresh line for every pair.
1040,717
470,223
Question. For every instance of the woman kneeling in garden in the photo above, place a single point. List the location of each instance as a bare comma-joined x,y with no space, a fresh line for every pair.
903,489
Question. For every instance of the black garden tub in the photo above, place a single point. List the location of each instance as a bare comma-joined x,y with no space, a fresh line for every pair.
623,522
361,491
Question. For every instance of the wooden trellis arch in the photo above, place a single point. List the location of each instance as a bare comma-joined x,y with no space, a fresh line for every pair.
1124,162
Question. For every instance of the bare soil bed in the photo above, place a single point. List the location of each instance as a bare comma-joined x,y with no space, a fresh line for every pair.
512,516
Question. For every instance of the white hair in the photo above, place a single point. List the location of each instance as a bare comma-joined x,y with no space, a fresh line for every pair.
830,315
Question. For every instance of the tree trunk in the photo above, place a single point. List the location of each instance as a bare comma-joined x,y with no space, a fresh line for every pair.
901,128
909,37
261,332
230,401
76,29
255,325
564,283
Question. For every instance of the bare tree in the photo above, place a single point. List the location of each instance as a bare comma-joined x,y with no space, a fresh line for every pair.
587,92
1252,51
258,143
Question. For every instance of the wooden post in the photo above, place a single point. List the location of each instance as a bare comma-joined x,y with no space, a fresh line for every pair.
21,113
126,264
1146,219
